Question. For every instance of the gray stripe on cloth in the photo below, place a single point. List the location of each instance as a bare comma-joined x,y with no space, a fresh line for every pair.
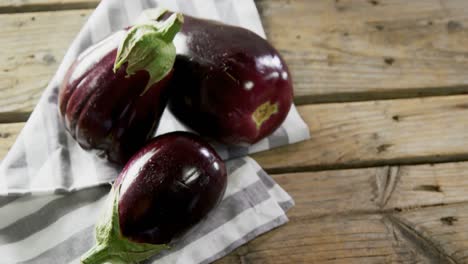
66,251
278,138
228,209
4,200
266,179
247,237
236,151
85,40
49,214
226,12
65,179
286,205
21,177
187,7
53,97
233,165
147,4
117,16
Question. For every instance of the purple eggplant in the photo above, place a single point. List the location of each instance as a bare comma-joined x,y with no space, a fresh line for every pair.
167,187
113,95
228,84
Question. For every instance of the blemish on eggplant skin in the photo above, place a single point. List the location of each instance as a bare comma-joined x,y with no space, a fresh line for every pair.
448,220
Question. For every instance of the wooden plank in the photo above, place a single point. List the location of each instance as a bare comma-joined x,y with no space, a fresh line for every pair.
377,189
13,6
359,50
338,51
374,133
444,229
334,239
353,216
432,235
431,129
33,45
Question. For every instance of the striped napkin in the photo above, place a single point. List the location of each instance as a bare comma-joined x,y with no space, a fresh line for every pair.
51,191
59,228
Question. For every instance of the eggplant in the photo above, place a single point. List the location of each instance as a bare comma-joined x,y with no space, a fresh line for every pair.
167,187
228,83
113,95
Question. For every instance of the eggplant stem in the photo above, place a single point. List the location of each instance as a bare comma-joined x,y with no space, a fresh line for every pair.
96,255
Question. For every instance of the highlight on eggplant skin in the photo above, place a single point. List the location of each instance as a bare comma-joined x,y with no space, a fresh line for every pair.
168,186
229,83
115,110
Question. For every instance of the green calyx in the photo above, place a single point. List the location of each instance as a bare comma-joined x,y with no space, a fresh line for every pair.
149,47
110,246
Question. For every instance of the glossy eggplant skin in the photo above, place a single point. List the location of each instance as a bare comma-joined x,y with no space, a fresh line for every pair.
168,186
224,77
107,111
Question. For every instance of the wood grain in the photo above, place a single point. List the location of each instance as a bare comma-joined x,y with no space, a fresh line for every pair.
337,50
8,134
32,47
333,239
14,6
444,228
358,50
363,216
431,129
373,133
375,190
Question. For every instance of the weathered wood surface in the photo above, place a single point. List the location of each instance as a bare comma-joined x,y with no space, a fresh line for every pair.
387,209
377,132
338,50
431,129
12,6
373,215
33,45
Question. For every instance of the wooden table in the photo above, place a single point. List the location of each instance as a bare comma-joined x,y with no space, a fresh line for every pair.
381,84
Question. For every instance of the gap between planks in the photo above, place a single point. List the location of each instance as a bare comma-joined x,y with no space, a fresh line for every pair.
46,6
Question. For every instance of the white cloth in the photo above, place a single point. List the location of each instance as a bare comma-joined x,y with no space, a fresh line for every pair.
43,221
